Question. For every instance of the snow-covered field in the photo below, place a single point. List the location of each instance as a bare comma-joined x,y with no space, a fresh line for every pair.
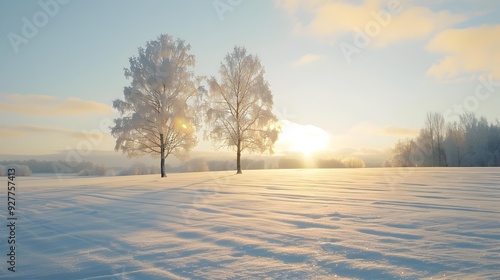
272,224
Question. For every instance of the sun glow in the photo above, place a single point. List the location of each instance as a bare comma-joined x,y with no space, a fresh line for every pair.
302,138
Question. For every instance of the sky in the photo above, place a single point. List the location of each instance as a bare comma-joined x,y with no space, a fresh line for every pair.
347,74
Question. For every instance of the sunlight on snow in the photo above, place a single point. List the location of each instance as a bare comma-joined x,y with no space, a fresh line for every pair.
301,138
435,223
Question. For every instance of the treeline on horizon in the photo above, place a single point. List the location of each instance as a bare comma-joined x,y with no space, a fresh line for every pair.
466,141
87,168
83,168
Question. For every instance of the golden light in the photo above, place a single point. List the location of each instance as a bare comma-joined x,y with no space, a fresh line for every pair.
182,124
301,138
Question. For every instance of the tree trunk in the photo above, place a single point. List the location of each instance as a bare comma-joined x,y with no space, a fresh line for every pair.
162,163
238,158
439,150
162,157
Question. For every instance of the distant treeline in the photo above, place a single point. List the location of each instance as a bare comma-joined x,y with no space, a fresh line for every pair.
48,166
86,168
200,164
20,170
83,168
466,141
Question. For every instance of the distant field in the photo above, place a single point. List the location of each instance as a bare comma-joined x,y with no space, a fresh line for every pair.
441,223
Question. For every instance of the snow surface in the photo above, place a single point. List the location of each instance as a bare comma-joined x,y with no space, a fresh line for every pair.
270,224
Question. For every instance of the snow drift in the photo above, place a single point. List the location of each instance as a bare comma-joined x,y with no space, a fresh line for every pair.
274,224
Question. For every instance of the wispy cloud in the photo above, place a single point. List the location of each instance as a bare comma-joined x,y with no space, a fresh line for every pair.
332,19
469,50
13,131
23,130
44,105
308,58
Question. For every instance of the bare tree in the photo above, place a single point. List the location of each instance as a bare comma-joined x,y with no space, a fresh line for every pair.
440,133
239,106
158,115
435,126
430,131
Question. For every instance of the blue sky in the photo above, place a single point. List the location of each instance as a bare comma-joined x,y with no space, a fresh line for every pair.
429,56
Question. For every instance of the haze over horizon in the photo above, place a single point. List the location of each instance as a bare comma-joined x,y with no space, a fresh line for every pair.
334,87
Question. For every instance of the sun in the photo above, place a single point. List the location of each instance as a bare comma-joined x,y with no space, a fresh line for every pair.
302,138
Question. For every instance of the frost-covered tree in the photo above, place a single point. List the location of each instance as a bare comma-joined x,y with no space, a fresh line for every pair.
471,141
455,144
158,112
476,139
239,106
423,149
402,153
353,162
494,144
